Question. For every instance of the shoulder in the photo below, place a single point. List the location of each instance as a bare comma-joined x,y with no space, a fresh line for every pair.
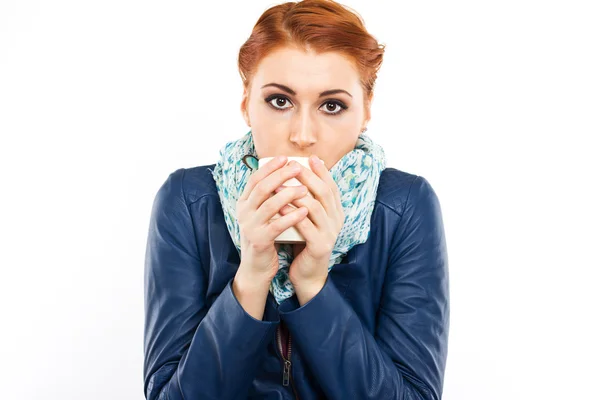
407,194
400,190
190,184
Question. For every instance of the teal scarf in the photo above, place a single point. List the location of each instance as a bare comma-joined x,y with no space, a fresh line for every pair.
356,174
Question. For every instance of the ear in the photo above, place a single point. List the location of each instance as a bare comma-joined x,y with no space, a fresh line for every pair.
367,113
244,107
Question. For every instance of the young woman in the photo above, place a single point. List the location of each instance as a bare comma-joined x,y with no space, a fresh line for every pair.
361,309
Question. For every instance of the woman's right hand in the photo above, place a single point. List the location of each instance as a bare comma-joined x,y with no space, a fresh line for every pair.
254,211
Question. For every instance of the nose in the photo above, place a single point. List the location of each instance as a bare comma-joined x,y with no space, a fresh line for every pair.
304,133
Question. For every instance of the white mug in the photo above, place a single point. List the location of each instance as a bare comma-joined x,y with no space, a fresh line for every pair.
290,235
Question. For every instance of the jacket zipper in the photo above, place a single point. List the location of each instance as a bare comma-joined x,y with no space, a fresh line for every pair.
287,363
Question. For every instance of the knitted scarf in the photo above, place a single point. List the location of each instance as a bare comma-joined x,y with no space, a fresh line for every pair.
356,175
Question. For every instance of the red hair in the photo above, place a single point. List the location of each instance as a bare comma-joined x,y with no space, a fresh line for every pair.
317,25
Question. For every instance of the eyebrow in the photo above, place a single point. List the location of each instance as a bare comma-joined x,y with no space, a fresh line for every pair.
290,91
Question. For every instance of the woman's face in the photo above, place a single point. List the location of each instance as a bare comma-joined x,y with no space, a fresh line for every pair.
300,103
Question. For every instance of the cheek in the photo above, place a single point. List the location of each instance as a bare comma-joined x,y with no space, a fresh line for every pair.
340,143
355,119
347,120
269,135
270,123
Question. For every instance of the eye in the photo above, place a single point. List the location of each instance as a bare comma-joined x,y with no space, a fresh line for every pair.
278,102
331,107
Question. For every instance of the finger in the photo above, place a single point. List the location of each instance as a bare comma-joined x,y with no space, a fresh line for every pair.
288,209
316,212
322,172
279,225
261,174
319,188
266,187
307,229
271,206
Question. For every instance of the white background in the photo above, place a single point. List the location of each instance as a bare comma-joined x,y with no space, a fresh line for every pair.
497,104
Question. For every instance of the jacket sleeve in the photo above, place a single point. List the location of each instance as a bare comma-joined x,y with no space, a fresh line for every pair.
192,350
405,358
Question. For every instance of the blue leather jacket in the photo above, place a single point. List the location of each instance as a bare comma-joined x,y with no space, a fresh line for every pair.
377,330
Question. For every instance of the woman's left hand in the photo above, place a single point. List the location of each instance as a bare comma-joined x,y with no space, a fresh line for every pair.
325,219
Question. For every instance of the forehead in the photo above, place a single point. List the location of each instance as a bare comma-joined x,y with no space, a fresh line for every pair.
307,71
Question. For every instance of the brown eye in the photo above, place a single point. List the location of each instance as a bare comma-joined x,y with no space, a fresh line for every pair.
278,103
334,107
331,107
